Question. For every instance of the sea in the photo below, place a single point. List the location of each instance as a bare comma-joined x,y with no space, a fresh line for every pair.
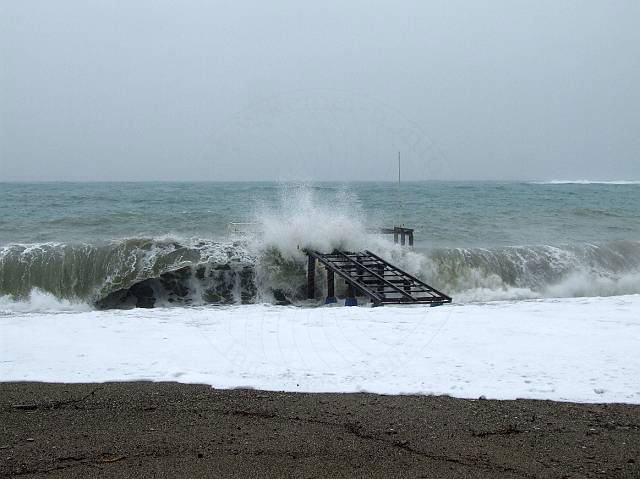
205,283
100,245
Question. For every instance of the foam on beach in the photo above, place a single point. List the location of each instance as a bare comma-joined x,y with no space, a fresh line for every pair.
582,349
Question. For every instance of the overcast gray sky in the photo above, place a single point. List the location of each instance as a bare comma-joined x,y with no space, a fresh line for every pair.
163,90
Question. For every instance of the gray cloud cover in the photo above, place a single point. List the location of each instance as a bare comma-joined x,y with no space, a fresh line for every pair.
162,90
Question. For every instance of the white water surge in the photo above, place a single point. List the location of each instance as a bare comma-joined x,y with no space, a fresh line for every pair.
588,182
583,349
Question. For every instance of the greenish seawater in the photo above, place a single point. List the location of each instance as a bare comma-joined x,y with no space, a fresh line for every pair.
444,214
476,240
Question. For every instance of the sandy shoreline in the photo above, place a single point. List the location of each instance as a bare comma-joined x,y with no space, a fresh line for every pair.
182,430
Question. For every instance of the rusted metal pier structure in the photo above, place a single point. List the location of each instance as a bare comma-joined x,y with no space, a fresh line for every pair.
368,274
399,232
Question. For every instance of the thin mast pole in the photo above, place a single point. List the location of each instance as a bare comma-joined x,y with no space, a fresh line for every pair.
399,197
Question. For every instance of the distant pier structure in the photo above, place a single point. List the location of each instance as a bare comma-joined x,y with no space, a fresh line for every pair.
399,233
368,274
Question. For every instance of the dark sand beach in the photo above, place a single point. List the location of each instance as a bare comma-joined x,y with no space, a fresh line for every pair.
144,429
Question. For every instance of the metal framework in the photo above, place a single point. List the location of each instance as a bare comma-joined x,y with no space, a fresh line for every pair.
372,276
401,232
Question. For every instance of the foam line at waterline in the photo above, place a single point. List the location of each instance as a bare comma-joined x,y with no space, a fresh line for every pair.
587,182
180,272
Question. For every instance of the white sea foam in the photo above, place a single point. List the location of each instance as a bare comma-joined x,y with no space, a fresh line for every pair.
587,182
301,221
40,302
480,287
585,285
583,350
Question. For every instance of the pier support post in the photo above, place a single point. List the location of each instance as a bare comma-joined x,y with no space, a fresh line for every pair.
360,270
331,288
350,300
411,238
311,278
381,285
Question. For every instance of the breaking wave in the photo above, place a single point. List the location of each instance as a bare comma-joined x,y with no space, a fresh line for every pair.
267,264
40,302
153,272
527,272
587,182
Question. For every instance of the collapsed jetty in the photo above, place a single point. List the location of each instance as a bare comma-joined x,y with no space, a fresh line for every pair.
362,273
368,274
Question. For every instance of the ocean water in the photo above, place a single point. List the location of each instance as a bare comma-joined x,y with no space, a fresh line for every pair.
78,245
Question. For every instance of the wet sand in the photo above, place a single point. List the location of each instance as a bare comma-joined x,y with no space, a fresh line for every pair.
146,429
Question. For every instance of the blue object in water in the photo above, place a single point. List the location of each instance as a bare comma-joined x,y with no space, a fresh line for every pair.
350,302
330,300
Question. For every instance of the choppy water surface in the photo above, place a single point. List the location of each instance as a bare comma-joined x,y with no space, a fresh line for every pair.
81,242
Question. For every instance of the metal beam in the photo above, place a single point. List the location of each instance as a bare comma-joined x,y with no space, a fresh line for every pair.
422,283
393,286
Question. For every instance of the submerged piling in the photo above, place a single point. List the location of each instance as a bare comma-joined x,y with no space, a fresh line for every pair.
311,277
350,300
331,288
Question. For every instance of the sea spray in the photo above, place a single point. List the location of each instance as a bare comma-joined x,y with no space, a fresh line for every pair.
269,263
299,222
41,302
88,272
303,221
211,272
525,272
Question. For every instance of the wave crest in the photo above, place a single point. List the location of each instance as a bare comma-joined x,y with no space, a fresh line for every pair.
587,182
166,271
39,301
